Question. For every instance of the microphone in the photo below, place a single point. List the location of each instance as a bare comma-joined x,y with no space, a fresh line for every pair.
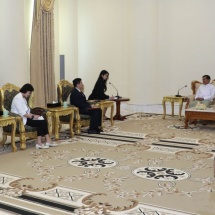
178,91
118,97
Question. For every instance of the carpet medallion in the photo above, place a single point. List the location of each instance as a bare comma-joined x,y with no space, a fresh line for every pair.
142,166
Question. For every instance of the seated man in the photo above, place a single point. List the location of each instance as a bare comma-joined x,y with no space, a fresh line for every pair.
205,94
78,99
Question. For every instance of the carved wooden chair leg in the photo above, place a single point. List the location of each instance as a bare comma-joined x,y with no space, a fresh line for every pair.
49,120
78,128
3,140
15,149
60,126
22,141
72,132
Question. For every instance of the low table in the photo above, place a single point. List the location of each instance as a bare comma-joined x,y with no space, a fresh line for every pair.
103,104
9,120
118,115
192,113
172,100
106,104
56,113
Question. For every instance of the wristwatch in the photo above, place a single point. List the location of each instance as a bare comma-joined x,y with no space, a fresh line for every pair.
32,117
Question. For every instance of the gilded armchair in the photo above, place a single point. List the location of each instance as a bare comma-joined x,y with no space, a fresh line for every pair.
194,87
64,89
7,93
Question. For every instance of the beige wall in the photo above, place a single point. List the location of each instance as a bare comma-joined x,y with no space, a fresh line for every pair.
186,43
102,42
67,31
14,41
143,51
150,47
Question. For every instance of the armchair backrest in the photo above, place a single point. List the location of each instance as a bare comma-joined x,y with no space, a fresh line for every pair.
7,93
64,88
196,84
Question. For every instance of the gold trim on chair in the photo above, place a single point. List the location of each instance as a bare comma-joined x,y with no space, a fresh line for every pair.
22,134
194,88
62,83
7,87
78,122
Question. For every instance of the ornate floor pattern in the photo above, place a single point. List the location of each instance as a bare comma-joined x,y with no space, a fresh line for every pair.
142,166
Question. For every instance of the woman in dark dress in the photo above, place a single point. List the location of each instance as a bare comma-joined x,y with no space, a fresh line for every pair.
100,88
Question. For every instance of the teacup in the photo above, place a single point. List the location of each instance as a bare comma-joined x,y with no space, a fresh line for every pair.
65,104
5,112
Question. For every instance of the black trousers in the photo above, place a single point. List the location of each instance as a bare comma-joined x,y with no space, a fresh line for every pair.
42,126
95,117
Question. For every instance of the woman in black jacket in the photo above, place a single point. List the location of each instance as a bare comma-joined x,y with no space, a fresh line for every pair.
100,88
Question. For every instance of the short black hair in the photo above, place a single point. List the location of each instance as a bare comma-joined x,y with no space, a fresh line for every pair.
207,77
76,81
25,88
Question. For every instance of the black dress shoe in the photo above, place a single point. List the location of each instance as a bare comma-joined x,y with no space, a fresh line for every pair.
99,129
93,131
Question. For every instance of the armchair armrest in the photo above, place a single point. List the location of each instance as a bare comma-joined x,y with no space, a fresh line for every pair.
19,122
77,114
189,99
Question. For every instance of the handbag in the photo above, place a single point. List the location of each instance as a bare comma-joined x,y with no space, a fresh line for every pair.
38,111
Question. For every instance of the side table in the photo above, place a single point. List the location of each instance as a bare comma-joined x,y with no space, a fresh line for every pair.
118,102
172,99
56,113
9,120
106,104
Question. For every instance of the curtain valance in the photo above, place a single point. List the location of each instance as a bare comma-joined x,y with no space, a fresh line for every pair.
47,5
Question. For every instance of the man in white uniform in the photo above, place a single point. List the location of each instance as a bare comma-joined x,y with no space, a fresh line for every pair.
205,94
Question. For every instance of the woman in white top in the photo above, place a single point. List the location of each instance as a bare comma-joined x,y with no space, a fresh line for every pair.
20,107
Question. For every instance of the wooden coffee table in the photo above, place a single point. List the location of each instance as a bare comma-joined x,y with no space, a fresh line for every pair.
193,114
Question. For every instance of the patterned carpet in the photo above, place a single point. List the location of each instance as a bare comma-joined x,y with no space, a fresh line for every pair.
141,166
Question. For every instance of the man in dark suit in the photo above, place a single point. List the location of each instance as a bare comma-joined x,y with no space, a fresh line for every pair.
78,99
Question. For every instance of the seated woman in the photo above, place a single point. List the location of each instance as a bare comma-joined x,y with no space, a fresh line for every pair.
20,107
100,88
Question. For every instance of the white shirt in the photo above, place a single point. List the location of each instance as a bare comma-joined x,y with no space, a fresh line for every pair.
206,91
78,89
20,106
